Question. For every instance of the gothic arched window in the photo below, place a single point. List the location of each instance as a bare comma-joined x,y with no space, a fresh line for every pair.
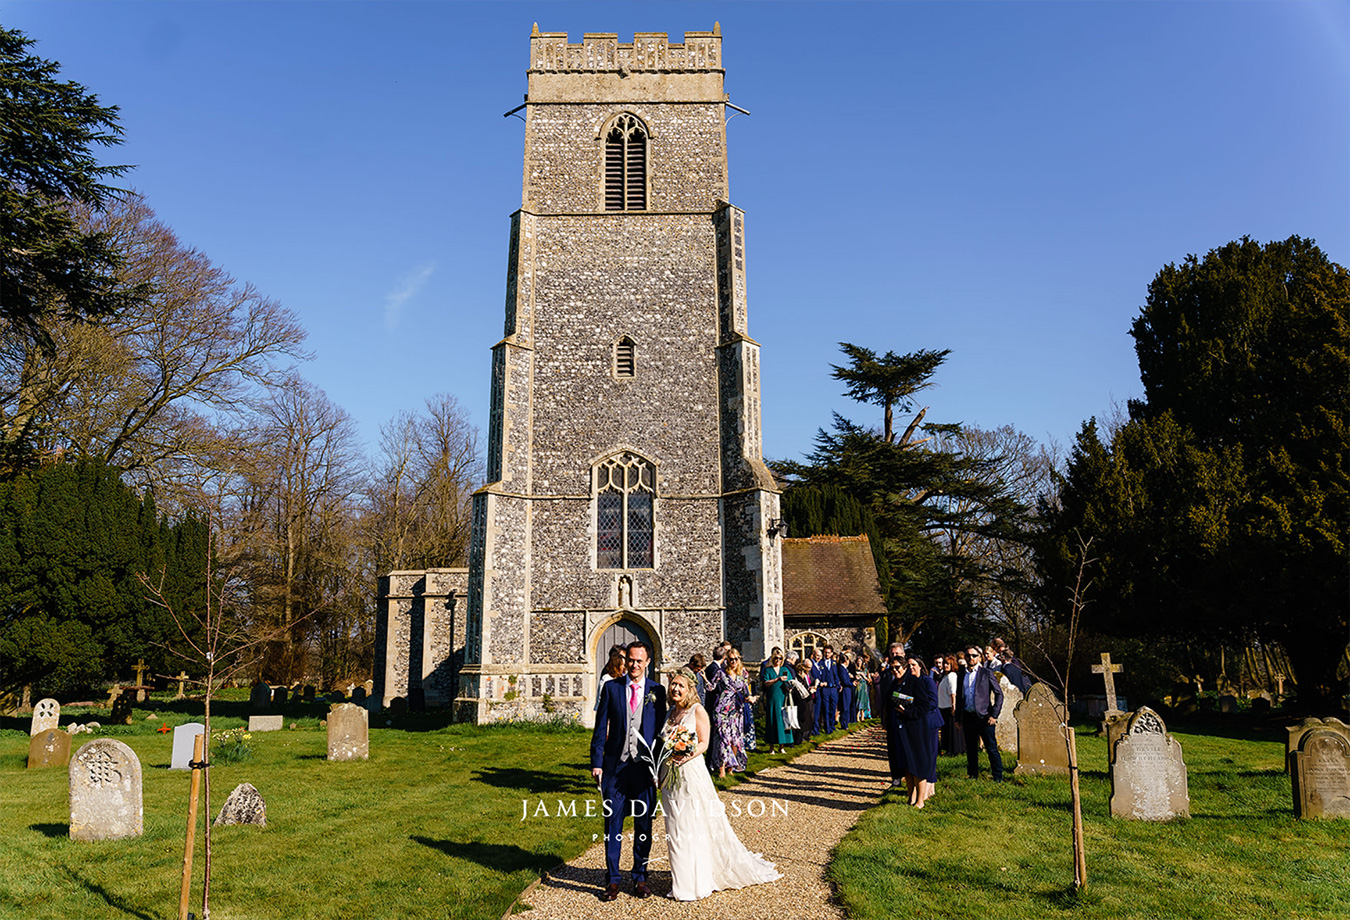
805,643
626,164
625,492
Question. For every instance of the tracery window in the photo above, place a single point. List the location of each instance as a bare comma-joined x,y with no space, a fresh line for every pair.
626,165
625,492
804,643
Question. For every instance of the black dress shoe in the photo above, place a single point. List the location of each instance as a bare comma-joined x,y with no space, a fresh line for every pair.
610,894
640,890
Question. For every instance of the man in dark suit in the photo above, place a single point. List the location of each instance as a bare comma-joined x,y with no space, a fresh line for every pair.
827,673
1011,666
883,708
979,701
631,713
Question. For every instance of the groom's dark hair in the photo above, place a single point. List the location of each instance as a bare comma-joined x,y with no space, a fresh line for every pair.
642,645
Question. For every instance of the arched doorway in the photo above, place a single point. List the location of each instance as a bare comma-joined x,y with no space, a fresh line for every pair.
621,633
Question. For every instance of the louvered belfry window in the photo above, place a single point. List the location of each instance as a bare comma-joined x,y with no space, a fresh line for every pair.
625,359
626,165
625,495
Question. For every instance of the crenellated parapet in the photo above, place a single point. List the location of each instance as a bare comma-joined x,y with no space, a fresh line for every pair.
602,51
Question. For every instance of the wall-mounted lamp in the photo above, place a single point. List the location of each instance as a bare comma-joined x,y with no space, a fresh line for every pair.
776,528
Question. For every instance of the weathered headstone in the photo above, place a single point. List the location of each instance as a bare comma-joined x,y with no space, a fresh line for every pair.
1321,770
1006,729
260,697
1042,726
1296,733
348,732
1260,705
337,696
279,696
1228,703
121,710
46,714
264,723
50,748
358,694
307,695
244,806
1113,726
398,706
1148,775
183,737
369,685
105,792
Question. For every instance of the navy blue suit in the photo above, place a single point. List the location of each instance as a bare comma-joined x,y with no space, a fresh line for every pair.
826,673
986,703
627,787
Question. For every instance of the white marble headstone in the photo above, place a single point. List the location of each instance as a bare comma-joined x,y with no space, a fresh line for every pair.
105,792
182,744
46,714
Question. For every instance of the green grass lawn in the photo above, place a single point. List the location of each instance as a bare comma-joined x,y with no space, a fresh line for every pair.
981,849
430,826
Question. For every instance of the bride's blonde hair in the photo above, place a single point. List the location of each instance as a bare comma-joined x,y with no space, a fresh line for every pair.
688,676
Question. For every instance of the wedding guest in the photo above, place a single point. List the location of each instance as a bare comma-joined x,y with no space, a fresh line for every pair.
917,738
862,681
775,685
1011,666
979,701
697,664
751,739
613,669
804,697
953,742
848,689
719,654
731,690
826,673
886,681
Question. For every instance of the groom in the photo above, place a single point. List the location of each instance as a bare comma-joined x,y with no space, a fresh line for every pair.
631,712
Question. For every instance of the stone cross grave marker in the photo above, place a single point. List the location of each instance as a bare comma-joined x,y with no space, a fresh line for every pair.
1042,723
46,714
50,748
182,678
140,670
260,697
1148,775
244,806
1279,686
105,792
1005,732
348,732
1322,775
183,737
1108,671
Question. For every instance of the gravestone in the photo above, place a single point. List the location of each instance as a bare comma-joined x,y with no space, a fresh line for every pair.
1113,726
307,695
1321,770
50,748
260,697
348,732
1108,671
121,710
1148,775
1228,703
1006,729
181,678
279,696
369,687
1042,723
1260,705
358,694
398,706
105,792
46,714
183,737
264,723
244,806
337,696
1296,733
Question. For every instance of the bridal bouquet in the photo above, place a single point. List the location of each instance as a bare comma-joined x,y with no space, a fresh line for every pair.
679,741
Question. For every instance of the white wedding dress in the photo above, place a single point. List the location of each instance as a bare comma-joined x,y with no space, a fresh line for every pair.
705,854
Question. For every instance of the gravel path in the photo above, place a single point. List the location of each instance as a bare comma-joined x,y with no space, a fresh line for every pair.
822,792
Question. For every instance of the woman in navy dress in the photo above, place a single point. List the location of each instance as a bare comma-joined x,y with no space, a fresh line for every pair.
916,733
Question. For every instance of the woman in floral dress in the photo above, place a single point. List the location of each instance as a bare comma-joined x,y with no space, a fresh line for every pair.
730,688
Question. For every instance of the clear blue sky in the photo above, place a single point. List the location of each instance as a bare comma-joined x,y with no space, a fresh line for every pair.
1000,179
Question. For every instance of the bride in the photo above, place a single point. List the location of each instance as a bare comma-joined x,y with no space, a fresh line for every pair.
705,855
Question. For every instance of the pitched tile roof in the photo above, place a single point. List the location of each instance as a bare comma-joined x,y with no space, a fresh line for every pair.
830,575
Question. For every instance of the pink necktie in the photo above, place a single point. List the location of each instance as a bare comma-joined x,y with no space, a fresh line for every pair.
632,697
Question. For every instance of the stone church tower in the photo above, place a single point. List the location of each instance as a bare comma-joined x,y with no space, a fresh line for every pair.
627,493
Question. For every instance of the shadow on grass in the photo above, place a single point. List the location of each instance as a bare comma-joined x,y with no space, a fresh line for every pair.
498,857
574,778
112,899
51,830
